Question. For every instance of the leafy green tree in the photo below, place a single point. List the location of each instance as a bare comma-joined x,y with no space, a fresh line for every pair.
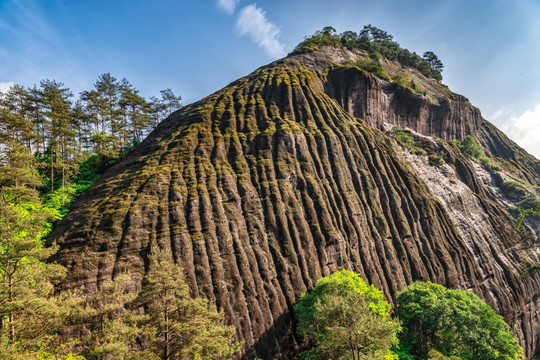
454,323
180,327
343,318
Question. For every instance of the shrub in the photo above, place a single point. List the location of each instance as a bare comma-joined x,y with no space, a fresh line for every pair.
406,140
402,137
374,67
343,318
454,323
417,150
470,147
415,88
398,80
436,160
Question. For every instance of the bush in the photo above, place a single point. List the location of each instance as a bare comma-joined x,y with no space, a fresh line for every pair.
406,140
343,318
374,67
417,150
401,136
398,80
415,88
436,160
468,146
454,323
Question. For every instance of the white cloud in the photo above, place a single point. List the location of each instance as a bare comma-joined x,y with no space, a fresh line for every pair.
252,21
227,5
525,130
4,86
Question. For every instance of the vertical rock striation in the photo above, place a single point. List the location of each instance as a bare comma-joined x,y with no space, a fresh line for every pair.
274,181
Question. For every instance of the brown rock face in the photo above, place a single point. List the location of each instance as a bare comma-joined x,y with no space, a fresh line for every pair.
267,185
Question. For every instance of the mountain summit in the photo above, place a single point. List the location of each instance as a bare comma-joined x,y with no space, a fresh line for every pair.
324,159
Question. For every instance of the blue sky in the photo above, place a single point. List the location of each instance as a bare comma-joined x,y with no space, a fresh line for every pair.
490,48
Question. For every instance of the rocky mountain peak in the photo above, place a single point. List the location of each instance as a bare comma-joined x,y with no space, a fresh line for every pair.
293,171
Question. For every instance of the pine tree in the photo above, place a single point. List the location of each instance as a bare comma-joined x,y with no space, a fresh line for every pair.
112,324
108,91
55,100
181,327
137,113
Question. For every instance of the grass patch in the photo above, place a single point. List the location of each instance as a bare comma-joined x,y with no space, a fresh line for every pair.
514,189
469,147
373,67
407,141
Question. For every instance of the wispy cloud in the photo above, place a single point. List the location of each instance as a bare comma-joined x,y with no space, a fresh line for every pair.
252,21
228,5
4,86
525,130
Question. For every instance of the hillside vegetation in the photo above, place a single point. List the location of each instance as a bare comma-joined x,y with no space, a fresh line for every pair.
126,237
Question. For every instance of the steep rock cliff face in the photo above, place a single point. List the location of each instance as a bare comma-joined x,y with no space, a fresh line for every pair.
267,185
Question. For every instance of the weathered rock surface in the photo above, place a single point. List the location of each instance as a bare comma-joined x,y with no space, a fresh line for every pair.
267,185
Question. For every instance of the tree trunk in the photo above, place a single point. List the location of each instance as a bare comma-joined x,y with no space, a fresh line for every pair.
10,316
167,339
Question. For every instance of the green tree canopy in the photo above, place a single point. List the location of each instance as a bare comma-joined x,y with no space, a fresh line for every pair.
178,326
343,318
454,323
376,42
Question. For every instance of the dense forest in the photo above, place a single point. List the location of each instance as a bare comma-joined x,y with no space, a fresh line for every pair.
52,148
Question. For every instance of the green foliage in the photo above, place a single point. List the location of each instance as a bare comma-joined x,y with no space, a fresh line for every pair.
415,88
407,141
433,61
378,43
530,202
178,326
26,285
343,318
374,67
514,189
435,355
402,137
436,160
89,171
454,323
398,80
469,147
489,164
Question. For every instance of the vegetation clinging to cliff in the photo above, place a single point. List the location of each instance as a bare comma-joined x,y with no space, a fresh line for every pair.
378,43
